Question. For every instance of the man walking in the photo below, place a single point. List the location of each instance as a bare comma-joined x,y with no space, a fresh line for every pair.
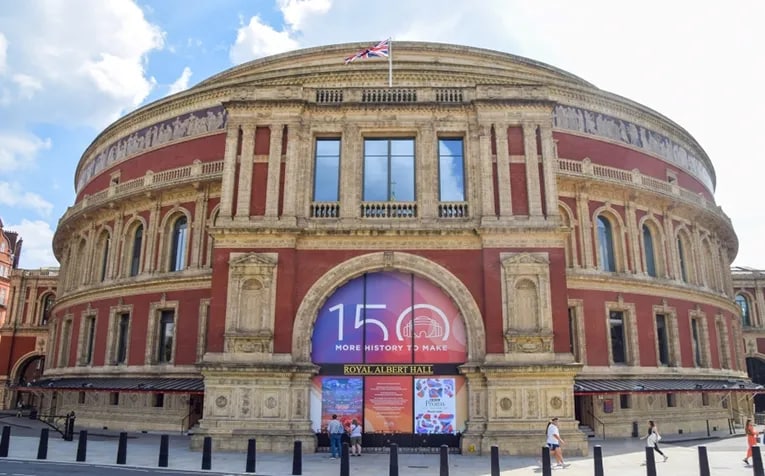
335,430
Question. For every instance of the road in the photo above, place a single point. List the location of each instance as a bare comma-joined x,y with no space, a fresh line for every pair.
43,468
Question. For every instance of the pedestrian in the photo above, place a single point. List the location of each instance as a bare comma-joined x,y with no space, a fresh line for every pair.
355,438
335,430
652,439
751,439
19,408
555,442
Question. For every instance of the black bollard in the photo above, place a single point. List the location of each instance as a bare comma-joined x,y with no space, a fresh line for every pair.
757,461
82,446
703,461
69,427
345,468
5,441
164,451
393,468
494,461
207,453
546,466
297,458
250,466
444,461
598,461
122,449
42,447
650,462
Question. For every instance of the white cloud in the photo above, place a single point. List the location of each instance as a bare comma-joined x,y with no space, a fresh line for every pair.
3,52
76,67
297,11
36,249
13,195
19,150
258,39
182,83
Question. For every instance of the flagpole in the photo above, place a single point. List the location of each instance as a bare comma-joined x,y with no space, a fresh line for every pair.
390,62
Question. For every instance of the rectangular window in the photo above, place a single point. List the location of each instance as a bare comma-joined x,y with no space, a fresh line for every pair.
158,400
572,334
326,179
122,338
625,401
81,398
90,333
165,341
671,400
451,170
114,398
662,339
389,170
705,399
696,342
616,324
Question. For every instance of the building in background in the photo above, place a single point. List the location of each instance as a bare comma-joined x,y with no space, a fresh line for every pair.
749,288
452,260
26,299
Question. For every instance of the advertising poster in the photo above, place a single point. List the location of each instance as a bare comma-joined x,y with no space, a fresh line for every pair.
388,317
435,405
342,396
388,404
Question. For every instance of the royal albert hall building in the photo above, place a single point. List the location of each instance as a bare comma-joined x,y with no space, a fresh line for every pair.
452,259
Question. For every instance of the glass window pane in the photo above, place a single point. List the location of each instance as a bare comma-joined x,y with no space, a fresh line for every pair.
326,187
327,147
375,179
451,170
402,147
402,179
375,147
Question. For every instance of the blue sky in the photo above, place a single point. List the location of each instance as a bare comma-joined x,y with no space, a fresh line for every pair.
70,67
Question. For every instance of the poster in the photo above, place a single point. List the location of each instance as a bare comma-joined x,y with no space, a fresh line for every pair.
435,405
341,396
388,404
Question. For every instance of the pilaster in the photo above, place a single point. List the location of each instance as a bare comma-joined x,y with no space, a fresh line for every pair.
229,170
427,175
485,168
549,169
246,159
633,236
151,236
296,144
198,227
351,158
503,171
532,169
274,171
585,227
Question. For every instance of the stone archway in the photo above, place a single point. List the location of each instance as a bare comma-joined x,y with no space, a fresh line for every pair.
388,260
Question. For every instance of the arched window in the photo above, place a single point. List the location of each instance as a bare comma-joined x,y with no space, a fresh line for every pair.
47,305
606,245
743,303
178,246
681,259
135,255
104,256
650,256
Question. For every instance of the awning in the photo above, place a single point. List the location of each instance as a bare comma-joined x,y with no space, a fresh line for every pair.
599,386
126,384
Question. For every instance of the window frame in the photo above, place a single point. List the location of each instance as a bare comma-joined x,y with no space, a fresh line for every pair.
179,244
390,193
136,250
316,158
440,139
606,244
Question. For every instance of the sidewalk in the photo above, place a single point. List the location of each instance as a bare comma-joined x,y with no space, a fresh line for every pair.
622,456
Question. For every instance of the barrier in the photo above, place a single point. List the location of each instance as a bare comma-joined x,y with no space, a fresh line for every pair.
122,449
82,446
207,453
297,458
42,446
444,466
5,441
703,461
494,461
250,464
393,465
164,451
598,456
345,468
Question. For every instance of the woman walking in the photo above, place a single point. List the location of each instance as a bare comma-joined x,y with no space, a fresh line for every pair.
355,438
653,437
751,439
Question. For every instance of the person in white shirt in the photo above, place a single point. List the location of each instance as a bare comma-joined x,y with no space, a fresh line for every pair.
355,438
335,430
554,442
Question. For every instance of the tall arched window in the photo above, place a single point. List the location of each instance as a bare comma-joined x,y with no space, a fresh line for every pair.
606,245
104,256
135,255
650,257
47,305
743,303
681,259
178,245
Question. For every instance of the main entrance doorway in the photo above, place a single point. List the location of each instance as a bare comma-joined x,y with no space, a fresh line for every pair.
388,345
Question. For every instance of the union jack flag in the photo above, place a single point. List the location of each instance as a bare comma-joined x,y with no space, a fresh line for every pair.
379,50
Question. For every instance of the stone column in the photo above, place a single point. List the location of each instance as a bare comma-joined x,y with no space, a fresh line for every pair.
503,172
245,172
550,170
295,145
532,169
350,172
199,220
585,227
487,174
274,171
427,173
114,270
151,236
473,171
670,245
633,236
229,171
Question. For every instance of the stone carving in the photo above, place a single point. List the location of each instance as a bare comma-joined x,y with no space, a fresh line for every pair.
221,401
156,135
556,403
528,343
506,404
601,125
271,403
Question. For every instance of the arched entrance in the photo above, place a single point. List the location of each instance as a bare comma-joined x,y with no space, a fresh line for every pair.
389,343
755,367
28,370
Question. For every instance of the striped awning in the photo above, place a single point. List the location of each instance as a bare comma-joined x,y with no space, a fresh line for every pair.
121,384
598,386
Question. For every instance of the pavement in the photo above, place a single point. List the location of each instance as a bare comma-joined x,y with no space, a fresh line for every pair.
621,456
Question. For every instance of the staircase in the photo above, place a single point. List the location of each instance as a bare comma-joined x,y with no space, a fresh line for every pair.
587,430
